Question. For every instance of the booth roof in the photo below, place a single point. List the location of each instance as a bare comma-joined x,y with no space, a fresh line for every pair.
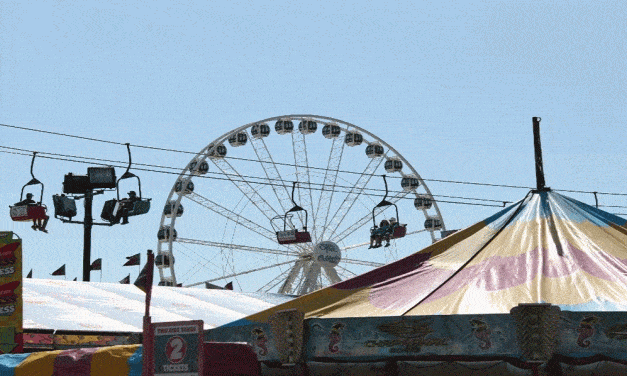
85,306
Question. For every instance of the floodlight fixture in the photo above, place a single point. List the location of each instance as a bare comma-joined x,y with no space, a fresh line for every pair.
101,177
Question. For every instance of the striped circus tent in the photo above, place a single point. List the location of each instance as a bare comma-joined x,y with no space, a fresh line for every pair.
546,248
124,360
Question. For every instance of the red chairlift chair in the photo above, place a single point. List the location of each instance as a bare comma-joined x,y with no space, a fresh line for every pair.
29,211
291,236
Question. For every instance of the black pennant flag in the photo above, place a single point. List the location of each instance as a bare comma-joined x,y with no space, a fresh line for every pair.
60,271
133,260
30,274
144,279
75,278
97,264
126,280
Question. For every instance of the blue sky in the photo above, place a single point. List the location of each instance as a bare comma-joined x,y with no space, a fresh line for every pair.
452,86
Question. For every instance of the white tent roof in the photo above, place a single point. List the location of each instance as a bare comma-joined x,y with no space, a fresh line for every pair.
67,305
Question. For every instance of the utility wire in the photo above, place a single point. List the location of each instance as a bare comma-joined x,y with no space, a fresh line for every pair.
67,158
293,165
229,177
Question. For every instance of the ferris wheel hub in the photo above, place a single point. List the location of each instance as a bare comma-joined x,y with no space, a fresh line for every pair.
327,254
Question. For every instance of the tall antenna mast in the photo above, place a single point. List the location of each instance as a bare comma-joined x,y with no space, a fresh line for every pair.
541,185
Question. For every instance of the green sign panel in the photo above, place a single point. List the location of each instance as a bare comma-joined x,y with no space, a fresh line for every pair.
178,348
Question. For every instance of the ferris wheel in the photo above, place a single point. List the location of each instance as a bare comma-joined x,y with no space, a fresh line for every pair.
280,205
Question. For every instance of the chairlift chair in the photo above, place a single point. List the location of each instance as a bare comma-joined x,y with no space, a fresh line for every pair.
398,230
29,212
64,206
291,236
137,207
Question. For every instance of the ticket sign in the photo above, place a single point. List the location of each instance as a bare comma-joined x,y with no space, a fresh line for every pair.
178,348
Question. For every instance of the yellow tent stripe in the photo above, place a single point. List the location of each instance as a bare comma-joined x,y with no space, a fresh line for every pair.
37,364
112,360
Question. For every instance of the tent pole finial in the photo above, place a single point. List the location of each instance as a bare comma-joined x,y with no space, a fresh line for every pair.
541,185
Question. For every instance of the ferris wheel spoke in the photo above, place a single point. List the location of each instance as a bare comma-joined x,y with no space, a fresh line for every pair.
229,214
346,271
353,194
274,282
301,163
237,247
310,281
287,287
242,273
367,218
272,172
246,188
328,185
353,246
362,262
332,274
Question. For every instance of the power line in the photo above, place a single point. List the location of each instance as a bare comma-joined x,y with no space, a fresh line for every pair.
294,165
67,158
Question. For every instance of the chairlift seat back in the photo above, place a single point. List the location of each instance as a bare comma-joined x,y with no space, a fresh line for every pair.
139,207
108,210
399,231
64,206
293,237
20,213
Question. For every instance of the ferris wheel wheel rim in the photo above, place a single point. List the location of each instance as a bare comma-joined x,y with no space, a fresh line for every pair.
203,154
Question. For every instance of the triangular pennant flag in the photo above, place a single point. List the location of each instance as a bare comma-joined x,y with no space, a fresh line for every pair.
211,286
75,278
60,271
144,279
30,274
97,264
229,286
126,280
133,260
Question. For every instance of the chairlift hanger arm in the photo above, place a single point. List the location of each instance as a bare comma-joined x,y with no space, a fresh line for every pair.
295,209
33,181
383,202
127,174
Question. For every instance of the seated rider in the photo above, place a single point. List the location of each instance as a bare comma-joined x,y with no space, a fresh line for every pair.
125,206
390,231
380,233
373,236
40,222
27,201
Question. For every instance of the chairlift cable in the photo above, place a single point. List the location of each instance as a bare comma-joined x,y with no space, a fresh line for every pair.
55,156
292,165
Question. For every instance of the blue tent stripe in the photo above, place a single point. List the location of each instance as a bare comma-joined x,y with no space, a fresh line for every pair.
8,362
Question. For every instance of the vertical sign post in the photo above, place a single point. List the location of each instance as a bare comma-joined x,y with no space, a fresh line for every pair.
11,319
178,348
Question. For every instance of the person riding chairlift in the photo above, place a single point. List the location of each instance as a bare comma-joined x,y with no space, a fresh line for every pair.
38,223
380,233
125,205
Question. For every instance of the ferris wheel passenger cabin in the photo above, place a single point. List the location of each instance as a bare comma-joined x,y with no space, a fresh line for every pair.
331,131
260,130
291,235
284,126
